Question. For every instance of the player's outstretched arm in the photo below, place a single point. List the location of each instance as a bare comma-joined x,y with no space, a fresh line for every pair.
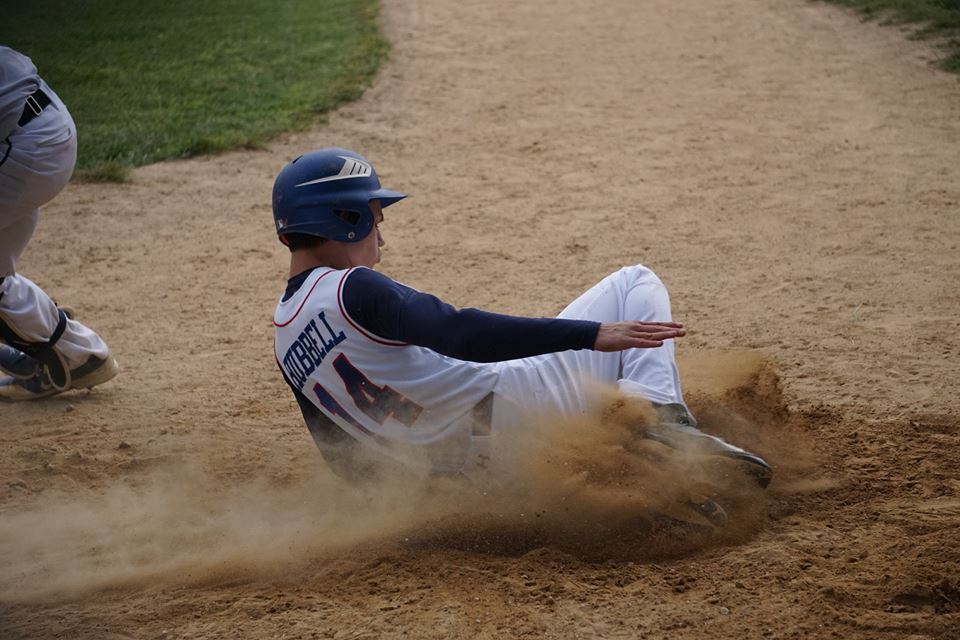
617,336
390,310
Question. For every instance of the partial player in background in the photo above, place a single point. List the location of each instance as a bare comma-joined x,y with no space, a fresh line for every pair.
383,372
46,351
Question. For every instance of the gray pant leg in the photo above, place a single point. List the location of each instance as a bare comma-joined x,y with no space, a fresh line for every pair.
41,160
14,237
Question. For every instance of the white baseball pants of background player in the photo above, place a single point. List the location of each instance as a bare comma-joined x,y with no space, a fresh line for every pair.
39,161
532,390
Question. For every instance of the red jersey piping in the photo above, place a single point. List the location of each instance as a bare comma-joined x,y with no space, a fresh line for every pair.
343,311
303,302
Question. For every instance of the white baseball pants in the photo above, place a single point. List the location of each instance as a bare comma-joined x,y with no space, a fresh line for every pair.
533,390
561,382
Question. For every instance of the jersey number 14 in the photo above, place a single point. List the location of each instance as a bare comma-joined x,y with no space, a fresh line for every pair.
378,403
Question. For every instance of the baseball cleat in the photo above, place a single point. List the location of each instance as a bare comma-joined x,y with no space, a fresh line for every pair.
93,372
700,516
676,431
16,363
710,510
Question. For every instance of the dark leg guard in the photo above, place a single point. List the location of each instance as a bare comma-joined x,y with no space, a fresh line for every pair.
56,367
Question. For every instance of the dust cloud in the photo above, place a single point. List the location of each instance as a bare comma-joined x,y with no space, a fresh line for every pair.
592,486
184,525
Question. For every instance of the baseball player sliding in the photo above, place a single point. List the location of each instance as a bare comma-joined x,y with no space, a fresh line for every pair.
383,372
45,351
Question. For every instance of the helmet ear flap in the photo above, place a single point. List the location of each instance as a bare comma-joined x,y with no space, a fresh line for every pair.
354,225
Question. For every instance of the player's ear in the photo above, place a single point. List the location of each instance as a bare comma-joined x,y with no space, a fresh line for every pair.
284,240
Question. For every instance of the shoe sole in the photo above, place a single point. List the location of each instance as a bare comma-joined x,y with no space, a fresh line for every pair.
14,393
702,517
710,510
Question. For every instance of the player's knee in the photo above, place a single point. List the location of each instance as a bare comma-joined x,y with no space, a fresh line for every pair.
639,274
645,294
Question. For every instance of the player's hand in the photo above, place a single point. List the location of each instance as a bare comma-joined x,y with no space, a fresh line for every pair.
617,336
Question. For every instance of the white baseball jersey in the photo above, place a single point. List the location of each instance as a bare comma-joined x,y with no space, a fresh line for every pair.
395,397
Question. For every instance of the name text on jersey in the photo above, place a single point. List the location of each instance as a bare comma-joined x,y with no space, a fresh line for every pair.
309,349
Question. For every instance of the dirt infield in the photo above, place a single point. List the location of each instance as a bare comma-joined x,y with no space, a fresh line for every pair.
792,175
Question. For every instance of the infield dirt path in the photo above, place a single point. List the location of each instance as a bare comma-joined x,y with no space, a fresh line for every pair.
793,176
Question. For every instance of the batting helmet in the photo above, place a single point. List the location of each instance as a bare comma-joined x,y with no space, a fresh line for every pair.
327,193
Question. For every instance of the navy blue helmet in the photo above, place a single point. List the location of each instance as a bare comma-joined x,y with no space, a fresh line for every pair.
327,193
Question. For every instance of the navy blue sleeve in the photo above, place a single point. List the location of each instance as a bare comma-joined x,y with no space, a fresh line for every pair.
390,310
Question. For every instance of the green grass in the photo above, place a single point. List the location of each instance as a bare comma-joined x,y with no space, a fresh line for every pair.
159,79
937,18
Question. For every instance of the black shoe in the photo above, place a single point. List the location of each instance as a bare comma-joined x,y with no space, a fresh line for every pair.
676,430
709,510
93,372
701,517
16,363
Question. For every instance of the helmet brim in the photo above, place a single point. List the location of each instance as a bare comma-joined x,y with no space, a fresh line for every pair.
386,197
